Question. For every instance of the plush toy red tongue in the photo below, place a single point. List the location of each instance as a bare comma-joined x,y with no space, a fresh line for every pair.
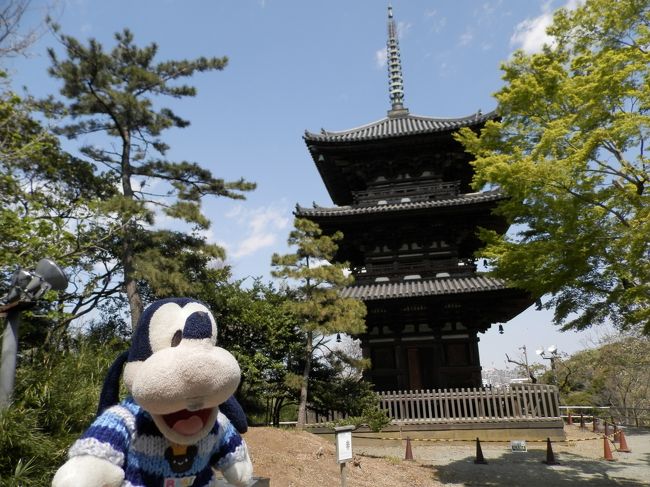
187,422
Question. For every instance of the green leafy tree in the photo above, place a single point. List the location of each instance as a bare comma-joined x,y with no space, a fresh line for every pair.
257,328
568,150
615,374
48,206
115,95
318,308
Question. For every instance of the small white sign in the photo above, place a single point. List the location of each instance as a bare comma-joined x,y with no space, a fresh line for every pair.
344,446
518,445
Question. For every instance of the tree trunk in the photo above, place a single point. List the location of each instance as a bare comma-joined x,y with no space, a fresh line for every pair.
130,284
302,407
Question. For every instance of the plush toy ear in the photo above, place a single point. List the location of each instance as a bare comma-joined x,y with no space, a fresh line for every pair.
232,410
111,389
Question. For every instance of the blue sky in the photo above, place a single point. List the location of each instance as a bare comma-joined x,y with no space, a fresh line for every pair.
299,65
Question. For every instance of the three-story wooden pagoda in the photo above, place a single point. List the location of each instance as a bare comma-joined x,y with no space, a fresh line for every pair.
401,186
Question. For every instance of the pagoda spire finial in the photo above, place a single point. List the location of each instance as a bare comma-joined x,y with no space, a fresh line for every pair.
395,80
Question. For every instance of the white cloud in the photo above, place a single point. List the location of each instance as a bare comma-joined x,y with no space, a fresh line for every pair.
262,228
253,243
402,29
466,37
381,57
530,34
438,23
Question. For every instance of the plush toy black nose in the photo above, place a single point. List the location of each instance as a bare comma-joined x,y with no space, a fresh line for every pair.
198,325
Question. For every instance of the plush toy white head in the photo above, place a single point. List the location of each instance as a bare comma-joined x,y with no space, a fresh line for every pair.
176,372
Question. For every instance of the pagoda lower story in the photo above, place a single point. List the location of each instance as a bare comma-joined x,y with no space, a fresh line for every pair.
424,335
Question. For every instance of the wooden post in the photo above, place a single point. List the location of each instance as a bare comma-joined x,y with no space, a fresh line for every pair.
344,475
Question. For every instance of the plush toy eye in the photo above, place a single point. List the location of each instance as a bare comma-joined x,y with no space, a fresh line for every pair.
176,339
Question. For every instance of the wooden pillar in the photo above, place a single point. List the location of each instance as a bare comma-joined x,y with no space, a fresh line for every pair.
414,366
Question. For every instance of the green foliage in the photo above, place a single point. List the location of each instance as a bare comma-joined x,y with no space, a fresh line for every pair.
54,402
336,384
48,208
42,191
116,93
568,151
28,456
372,417
255,326
616,374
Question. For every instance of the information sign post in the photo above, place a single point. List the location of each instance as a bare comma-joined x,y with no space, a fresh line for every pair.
343,449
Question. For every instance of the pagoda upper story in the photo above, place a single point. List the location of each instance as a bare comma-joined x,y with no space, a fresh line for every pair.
400,156
402,190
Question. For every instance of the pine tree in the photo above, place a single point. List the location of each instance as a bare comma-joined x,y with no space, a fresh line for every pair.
116,94
318,307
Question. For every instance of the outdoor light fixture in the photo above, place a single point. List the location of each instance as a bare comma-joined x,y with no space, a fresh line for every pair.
500,329
25,289
28,286
338,338
552,350
550,354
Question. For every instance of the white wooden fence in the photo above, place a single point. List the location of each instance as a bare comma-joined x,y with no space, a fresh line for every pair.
517,402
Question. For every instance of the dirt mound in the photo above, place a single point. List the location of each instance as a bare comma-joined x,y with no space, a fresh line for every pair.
299,459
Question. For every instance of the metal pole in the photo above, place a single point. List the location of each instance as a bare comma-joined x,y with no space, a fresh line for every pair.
344,472
9,353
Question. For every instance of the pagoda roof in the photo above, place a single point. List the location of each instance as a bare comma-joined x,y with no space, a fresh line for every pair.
399,126
349,210
424,287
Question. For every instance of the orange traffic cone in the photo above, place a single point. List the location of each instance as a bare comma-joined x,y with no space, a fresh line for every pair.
622,443
480,460
409,453
550,457
608,450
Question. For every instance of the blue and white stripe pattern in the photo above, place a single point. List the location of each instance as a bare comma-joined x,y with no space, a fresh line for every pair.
126,436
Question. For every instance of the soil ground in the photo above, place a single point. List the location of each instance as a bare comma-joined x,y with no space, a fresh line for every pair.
299,459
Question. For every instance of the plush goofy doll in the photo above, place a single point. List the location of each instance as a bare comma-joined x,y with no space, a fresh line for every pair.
169,432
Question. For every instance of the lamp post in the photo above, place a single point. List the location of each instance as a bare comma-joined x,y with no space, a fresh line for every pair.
24,290
523,347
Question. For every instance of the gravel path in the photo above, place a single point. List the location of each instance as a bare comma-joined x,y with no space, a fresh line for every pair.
581,463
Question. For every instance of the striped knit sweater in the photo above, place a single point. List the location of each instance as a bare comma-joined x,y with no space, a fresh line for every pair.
126,436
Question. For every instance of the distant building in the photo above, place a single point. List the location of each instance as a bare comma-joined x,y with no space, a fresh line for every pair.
492,377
